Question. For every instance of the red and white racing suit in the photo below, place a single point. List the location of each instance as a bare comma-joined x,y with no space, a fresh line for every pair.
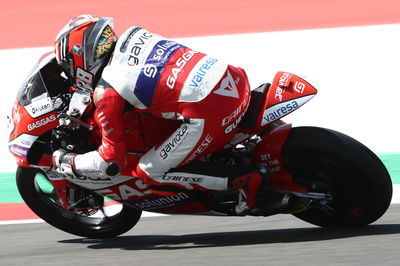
168,80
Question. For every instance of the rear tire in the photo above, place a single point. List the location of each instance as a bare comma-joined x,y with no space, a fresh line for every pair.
45,207
327,161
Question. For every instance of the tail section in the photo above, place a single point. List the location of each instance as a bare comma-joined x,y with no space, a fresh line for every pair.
271,102
287,93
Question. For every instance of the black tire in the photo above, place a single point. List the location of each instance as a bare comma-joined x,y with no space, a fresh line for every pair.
328,161
41,203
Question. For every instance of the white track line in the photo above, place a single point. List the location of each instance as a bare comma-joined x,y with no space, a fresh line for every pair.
35,221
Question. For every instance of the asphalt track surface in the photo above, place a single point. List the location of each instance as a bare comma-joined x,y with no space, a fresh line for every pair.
205,240
192,240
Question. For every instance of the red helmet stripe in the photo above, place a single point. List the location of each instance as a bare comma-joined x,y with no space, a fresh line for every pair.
76,42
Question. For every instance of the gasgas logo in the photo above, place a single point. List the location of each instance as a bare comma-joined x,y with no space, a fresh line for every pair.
125,191
180,63
42,122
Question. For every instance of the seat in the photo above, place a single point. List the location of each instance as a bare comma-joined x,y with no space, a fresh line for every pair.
256,107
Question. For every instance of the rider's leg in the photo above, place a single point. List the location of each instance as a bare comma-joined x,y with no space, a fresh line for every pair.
155,167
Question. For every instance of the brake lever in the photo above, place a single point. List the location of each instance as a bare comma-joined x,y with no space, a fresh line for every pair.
75,120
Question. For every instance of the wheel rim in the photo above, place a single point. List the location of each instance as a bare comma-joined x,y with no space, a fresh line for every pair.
106,215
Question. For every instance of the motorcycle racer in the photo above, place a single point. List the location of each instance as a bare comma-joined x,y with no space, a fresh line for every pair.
165,79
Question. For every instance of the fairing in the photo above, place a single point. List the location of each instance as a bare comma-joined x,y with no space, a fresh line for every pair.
33,112
286,94
268,152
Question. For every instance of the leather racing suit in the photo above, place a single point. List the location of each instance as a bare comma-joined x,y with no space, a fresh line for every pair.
171,81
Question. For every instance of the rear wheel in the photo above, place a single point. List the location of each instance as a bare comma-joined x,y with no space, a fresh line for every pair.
37,192
326,161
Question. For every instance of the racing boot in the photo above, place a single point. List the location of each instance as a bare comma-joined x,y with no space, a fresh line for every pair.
248,186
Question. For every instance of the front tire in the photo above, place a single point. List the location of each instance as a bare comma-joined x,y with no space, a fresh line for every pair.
326,161
43,204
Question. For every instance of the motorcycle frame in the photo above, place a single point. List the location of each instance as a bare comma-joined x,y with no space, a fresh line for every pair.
285,95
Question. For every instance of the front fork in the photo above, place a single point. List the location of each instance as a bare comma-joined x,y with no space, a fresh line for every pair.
72,197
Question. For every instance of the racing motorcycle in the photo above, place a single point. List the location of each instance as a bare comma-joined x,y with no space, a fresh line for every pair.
319,175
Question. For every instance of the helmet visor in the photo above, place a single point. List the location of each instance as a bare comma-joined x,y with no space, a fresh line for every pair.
105,43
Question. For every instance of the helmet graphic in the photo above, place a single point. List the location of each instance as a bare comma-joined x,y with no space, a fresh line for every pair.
83,48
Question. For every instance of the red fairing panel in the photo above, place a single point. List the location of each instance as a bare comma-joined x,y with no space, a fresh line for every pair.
287,93
134,192
25,131
268,153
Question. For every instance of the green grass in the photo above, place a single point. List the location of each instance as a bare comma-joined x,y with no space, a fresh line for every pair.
8,188
392,163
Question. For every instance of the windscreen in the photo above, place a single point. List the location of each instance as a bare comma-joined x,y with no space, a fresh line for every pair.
42,81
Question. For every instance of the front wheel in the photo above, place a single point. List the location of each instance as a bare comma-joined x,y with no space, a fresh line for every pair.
37,192
326,161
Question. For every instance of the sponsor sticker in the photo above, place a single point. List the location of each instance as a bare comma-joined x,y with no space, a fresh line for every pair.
18,150
42,122
20,146
174,142
202,79
160,202
228,87
129,36
279,110
137,47
179,65
39,107
299,87
204,145
152,69
284,80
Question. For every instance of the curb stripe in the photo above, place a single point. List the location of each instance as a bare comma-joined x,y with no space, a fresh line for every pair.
19,213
